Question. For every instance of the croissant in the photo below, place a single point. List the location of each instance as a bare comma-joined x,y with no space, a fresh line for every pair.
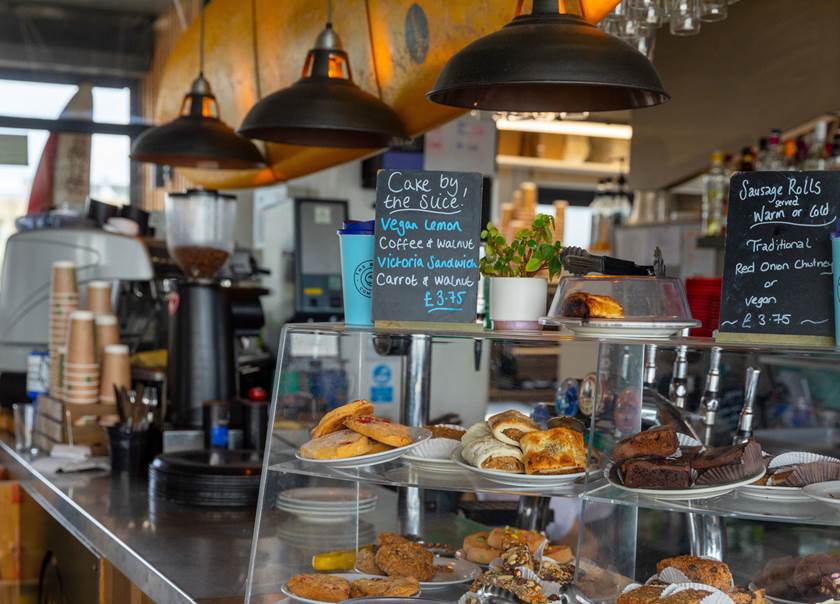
591,306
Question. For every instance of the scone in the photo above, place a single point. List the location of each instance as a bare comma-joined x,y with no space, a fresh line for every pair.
700,570
646,594
381,430
395,587
510,426
406,559
337,445
325,588
555,451
686,596
386,538
334,420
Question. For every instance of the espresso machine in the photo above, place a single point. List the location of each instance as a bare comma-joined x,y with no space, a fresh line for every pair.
199,237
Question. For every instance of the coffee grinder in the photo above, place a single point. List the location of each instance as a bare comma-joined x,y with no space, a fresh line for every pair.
199,237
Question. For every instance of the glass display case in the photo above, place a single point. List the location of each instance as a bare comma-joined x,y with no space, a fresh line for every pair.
314,517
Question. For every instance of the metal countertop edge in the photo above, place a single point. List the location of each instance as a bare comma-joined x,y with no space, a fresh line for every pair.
90,531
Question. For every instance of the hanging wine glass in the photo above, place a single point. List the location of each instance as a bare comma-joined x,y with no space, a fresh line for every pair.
713,10
685,17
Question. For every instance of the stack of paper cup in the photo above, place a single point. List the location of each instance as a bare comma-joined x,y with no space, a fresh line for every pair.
80,382
116,371
99,298
64,299
107,333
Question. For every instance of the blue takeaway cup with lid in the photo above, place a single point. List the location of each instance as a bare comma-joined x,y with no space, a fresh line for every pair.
356,242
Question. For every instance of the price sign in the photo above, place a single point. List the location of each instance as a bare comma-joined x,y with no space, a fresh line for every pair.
426,246
777,280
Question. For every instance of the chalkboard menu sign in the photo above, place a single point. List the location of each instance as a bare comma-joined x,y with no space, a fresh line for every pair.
427,237
777,284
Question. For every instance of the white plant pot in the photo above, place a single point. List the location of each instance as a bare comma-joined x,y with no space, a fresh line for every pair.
517,302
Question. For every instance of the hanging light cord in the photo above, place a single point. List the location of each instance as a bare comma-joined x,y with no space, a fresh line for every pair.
329,13
201,39
256,50
372,49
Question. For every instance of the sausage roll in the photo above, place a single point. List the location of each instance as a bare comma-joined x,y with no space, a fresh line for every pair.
591,306
510,426
555,451
490,454
474,432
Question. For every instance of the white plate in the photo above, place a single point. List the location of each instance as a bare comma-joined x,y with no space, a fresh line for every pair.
692,493
462,572
360,461
316,496
349,576
432,465
320,518
824,492
619,329
518,480
761,491
349,509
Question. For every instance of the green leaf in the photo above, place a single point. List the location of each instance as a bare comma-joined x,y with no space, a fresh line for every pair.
534,264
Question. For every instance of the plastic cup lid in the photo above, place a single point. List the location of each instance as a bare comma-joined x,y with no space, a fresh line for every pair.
357,227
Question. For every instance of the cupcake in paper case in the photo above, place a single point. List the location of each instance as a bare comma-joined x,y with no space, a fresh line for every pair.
811,473
436,448
796,458
726,465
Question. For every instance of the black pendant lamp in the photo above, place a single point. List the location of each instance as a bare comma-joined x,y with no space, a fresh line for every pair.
324,108
548,61
197,138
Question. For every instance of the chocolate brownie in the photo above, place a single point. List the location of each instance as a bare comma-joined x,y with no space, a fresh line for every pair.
656,474
809,573
660,441
723,465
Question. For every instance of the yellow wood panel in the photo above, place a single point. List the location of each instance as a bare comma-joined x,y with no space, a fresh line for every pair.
374,33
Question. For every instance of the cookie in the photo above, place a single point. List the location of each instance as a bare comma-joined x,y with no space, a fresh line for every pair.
395,587
376,447
686,596
646,594
365,562
334,420
406,559
389,538
325,588
381,430
337,445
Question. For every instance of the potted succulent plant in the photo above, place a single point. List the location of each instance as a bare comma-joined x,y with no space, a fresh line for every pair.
518,289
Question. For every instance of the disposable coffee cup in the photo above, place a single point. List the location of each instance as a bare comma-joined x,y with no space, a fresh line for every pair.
99,298
116,371
107,333
356,242
64,277
81,338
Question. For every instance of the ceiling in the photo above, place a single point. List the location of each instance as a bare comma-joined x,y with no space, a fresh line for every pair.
123,6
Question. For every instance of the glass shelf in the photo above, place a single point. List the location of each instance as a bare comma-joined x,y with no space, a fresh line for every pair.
402,473
730,505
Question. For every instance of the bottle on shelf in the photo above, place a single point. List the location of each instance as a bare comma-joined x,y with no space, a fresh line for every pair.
761,154
815,159
833,162
775,158
747,160
715,192
790,154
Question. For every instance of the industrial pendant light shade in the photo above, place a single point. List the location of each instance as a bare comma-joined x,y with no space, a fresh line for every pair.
197,138
548,62
324,108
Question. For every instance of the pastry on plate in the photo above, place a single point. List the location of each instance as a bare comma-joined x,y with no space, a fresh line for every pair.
447,431
700,570
510,426
562,554
554,451
723,465
476,549
525,590
644,594
376,447
474,432
507,537
334,420
388,537
366,563
381,430
583,305
656,474
550,570
324,588
660,441
517,556
490,454
394,587
686,596
336,445
406,559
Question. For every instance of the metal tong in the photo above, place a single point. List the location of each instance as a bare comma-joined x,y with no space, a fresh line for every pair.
578,261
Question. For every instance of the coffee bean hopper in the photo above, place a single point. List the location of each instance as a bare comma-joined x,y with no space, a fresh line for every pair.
199,237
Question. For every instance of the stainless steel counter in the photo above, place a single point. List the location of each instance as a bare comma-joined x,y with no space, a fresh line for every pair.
175,554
